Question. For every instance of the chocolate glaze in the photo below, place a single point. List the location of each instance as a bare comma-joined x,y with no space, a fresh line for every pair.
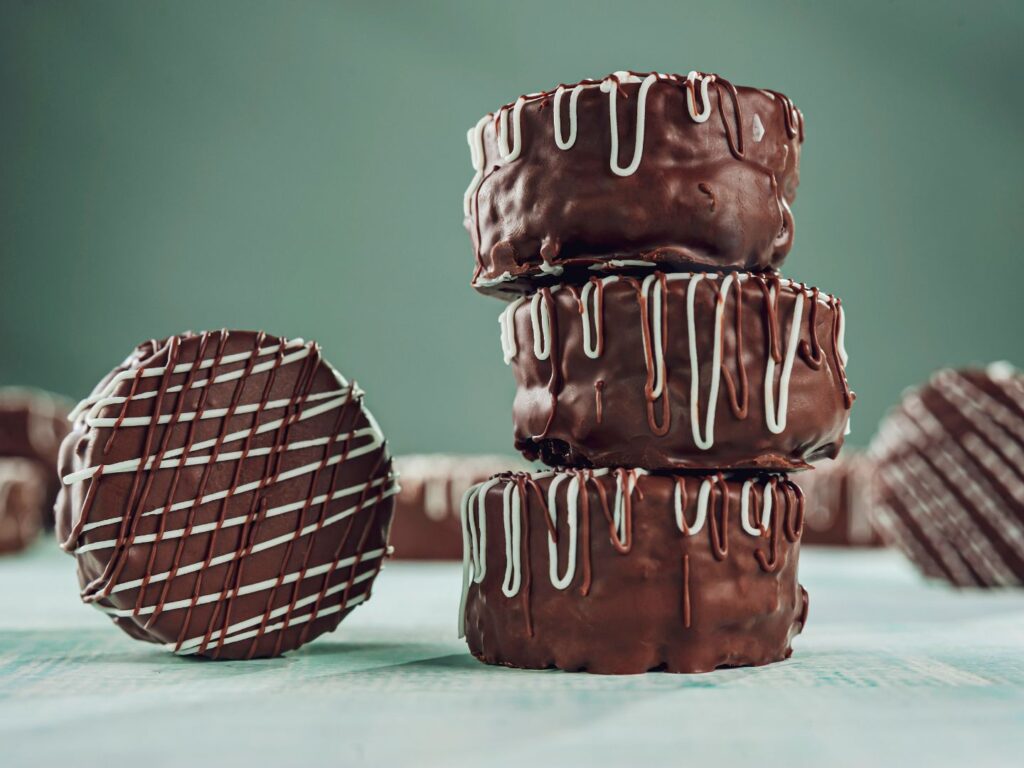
427,523
712,194
22,496
649,587
591,391
32,425
838,497
294,483
949,488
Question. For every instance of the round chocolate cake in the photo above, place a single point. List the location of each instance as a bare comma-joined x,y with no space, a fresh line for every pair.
633,170
621,571
838,494
694,371
32,425
226,494
22,496
950,480
427,525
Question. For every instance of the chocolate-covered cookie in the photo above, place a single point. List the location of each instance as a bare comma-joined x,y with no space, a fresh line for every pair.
226,494
32,425
427,525
633,170
949,488
694,371
22,499
838,494
621,571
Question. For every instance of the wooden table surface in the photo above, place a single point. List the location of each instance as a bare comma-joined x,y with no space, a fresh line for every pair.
890,671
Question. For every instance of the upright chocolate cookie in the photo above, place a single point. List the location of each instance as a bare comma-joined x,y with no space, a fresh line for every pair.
634,170
32,425
22,496
838,504
620,571
427,525
950,479
678,371
226,494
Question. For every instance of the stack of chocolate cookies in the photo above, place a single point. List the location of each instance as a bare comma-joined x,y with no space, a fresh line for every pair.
666,372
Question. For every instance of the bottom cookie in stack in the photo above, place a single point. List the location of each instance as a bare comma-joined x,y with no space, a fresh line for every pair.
426,524
22,498
621,571
838,493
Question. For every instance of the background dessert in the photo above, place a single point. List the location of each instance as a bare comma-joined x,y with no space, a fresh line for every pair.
427,524
22,496
32,424
950,476
838,496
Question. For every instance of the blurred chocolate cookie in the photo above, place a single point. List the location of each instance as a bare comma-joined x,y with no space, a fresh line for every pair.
950,476
838,502
426,523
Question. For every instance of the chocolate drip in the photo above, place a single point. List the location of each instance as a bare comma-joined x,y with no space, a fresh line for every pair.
686,591
718,530
735,135
738,397
649,355
811,352
793,117
584,475
848,395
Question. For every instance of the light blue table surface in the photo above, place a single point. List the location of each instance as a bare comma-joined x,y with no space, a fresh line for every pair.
890,670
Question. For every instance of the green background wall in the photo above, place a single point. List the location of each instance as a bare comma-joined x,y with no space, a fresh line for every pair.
299,167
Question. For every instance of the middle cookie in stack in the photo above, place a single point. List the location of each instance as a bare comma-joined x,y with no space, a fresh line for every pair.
664,369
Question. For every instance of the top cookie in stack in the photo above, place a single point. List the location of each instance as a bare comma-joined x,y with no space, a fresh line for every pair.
636,170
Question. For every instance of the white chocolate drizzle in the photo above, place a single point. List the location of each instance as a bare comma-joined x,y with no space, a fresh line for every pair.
508,155
573,98
507,321
611,87
591,342
572,520
540,318
707,440
776,417
475,137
